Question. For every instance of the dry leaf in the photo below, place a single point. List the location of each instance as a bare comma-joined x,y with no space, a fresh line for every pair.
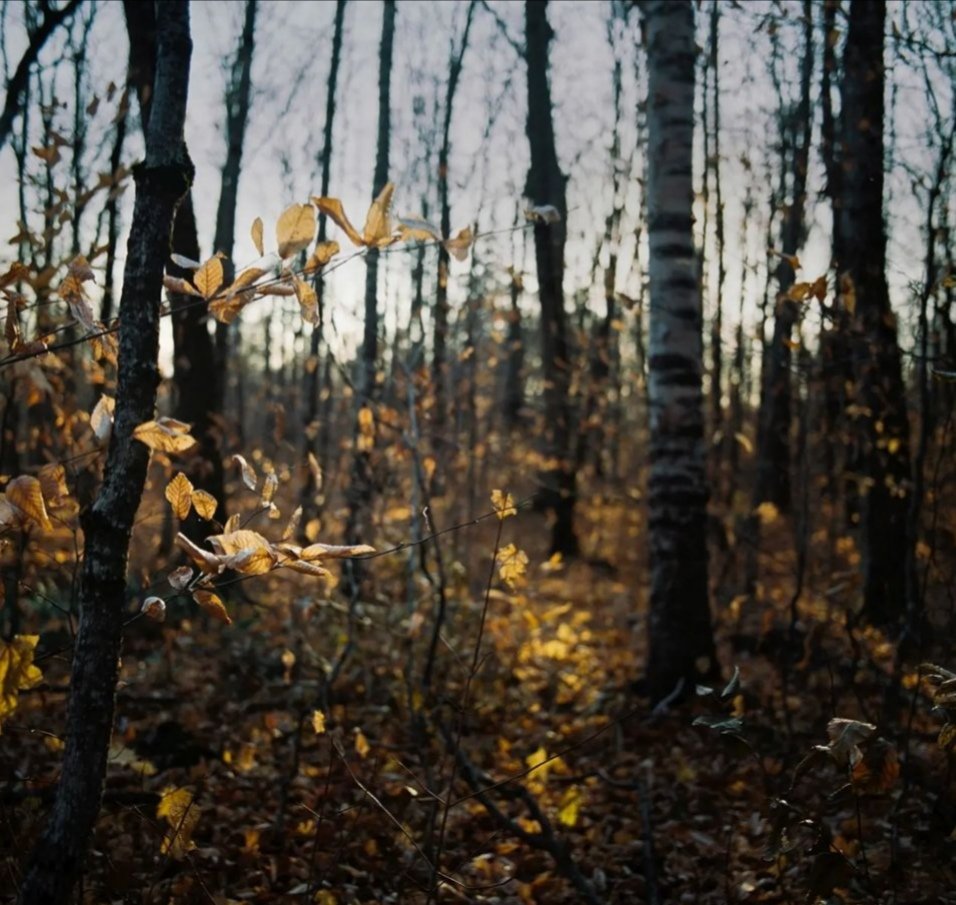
208,562
154,608
236,541
503,503
176,807
269,487
308,301
257,235
165,435
204,503
209,278
411,229
293,524
212,605
295,229
17,671
333,209
26,494
101,418
323,253
378,224
248,472
459,246
180,286
328,551
318,722
179,494
179,578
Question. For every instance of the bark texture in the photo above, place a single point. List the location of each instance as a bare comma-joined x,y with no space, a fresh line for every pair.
681,638
161,182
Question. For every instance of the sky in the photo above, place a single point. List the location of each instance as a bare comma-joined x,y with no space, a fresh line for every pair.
489,149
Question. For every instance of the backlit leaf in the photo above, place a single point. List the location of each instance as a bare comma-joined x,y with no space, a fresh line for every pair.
257,235
212,605
460,245
269,487
295,229
308,301
210,563
177,808
318,722
378,222
165,435
204,503
245,539
543,213
26,494
180,286
512,565
178,492
321,255
362,747
248,472
209,278
327,551
411,229
293,524
17,672
333,209
503,503
570,806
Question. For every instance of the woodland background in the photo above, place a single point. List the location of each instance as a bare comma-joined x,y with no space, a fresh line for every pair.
477,451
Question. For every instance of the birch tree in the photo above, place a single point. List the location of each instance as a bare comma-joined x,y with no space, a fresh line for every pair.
681,637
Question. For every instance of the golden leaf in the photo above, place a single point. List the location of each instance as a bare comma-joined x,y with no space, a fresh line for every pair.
244,279
513,564
269,487
17,672
745,443
180,286
295,229
333,209
177,808
251,560
459,246
308,301
248,472
570,806
293,524
257,235
53,485
26,494
411,229
362,747
212,605
503,503
318,722
208,562
165,435
179,494
767,512
209,277
232,523
227,544
204,503
323,253
306,568
315,470
378,222
226,308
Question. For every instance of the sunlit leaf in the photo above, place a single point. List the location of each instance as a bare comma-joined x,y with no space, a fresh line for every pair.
209,278
570,806
236,541
165,435
512,565
293,524
251,560
17,672
269,487
212,605
204,503
362,747
318,722
177,808
327,551
411,229
321,255
767,512
179,494
257,235
53,485
333,209
249,477
307,568
503,504
308,301
295,229
378,223
26,494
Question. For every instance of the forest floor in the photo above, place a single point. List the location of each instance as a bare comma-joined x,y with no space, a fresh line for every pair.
530,771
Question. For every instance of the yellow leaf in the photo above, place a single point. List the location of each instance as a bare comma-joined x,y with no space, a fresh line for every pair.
308,301
767,513
251,561
26,494
307,568
503,503
165,435
323,253
570,806
362,746
378,224
539,764
459,245
295,229
177,808
269,487
237,541
318,722
293,524
204,503
208,562
209,277
744,441
410,229
249,477
329,551
16,671
333,209
512,566
178,493
257,235
212,605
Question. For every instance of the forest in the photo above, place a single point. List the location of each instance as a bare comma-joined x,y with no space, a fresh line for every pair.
480,451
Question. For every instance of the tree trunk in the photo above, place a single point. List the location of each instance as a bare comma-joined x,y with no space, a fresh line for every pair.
161,182
681,638
881,428
546,186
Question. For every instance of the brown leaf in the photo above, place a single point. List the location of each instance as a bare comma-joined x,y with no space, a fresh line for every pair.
327,551
212,605
257,235
333,209
295,229
323,253
460,245
378,223
209,277
180,286
204,503
26,494
308,301
165,435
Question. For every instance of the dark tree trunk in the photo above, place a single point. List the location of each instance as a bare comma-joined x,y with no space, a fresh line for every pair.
313,429
681,637
882,428
546,186
161,182
360,489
